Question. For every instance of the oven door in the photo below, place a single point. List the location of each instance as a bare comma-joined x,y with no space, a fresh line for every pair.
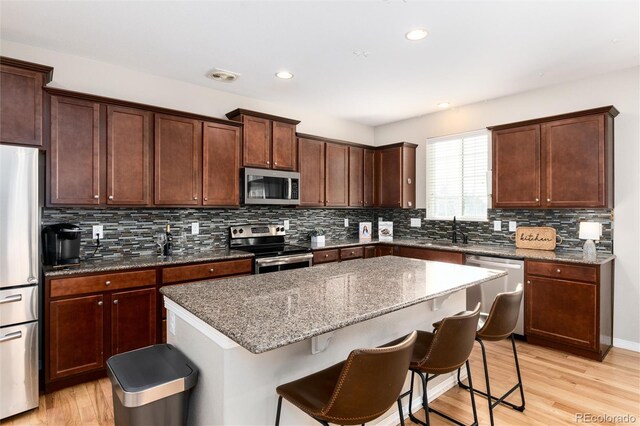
270,187
282,263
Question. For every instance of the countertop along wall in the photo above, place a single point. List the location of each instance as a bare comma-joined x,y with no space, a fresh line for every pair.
620,89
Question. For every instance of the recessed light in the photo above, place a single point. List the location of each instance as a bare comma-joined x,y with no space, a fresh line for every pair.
417,34
285,75
444,105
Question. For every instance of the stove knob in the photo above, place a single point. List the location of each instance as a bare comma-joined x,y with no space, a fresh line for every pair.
241,230
235,231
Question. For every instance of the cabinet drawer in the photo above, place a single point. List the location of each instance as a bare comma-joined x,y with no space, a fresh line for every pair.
351,253
204,271
96,283
435,255
326,256
563,271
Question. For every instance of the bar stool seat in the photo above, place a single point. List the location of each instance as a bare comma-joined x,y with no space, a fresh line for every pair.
355,391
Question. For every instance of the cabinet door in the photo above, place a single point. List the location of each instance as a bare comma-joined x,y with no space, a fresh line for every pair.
389,175
562,311
384,251
256,149
435,255
20,106
220,165
133,320
369,252
516,167
177,160
575,162
75,336
128,143
285,149
368,171
336,175
356,177
311,160
75,152
408,177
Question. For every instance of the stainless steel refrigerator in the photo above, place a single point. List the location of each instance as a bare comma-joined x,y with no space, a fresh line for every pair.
19,277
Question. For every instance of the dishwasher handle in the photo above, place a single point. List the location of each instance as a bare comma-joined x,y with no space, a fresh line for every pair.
477,262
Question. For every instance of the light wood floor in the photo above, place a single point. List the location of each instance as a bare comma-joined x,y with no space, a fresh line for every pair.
557,386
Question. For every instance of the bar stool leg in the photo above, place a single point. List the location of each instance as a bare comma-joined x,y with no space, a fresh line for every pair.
472,392
486,378
515,357
400,413
278,410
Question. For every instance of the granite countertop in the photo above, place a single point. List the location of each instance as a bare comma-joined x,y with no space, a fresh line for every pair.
133,262
268,311
508,251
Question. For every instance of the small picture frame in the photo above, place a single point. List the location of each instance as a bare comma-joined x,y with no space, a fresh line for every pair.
385,231
365,231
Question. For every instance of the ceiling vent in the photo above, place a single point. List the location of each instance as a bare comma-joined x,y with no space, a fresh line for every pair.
225,76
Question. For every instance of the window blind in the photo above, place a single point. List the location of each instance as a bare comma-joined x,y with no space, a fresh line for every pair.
457,176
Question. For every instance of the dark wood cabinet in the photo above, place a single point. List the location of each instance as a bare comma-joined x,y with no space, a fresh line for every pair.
555,162
349,253
284,146
326,256
75,336
356,177
128,156
268,141
569,307
395,170
21,103
336,175
220,165
516,167
368,187
369,252
430,254
74,152
312,174
384,250
133,319
177,160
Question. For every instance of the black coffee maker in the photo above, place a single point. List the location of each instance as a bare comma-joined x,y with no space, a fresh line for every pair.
61,244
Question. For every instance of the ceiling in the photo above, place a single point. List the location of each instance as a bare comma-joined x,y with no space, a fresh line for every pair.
476,50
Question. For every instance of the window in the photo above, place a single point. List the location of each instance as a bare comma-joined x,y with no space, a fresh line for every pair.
457,176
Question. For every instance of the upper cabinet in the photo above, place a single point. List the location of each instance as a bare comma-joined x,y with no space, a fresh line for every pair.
395,175
21,103
555,162
268,141
368,171
220,165
356,177
336,175
312,181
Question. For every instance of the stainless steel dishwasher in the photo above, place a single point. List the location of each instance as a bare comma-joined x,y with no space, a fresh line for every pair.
486,292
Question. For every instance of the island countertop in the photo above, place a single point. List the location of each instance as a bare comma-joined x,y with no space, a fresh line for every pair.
268,311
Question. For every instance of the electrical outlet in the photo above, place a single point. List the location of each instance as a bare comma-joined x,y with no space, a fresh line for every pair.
98,232
195,228
286,224
497,225
416,222
512,226
346,223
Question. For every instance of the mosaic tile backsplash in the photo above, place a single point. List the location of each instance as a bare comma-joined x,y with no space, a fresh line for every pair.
130,232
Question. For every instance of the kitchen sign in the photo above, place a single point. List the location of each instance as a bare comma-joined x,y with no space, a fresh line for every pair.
535,237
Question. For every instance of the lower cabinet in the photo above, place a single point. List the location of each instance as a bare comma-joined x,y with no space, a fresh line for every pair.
570,307
133,319
349,253
382,250
429,254
369,252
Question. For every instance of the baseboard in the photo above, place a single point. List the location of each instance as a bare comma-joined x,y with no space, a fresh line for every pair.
416,403
626,344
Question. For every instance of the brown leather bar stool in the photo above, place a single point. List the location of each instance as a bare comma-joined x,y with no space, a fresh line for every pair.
355,391
499,325
440,353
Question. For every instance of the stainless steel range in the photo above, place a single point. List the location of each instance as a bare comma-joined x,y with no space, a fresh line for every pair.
267,243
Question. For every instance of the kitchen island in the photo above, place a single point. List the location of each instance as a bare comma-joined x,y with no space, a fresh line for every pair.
247,335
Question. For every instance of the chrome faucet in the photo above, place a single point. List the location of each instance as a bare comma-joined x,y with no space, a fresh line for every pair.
454,233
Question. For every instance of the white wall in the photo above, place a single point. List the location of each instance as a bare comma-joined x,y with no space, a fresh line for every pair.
621,89
100,78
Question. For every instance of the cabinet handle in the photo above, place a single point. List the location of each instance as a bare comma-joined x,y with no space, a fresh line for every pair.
326,255
211,270
107,283
409,181
268,162
275,163
353,252
528,282
206,198
96,196
100,303
537,199
558,270
111,197
115,302
409,203
195,197
548,200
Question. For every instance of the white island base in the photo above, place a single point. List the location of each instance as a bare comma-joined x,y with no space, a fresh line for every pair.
237,387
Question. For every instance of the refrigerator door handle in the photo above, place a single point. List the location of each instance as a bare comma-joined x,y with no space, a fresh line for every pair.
11,336
11,299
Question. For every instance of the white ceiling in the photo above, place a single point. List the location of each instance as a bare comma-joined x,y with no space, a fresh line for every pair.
476,50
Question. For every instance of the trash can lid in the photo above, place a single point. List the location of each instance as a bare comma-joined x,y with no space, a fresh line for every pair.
146,368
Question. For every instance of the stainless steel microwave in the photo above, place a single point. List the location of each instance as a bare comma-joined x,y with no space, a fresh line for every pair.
262,186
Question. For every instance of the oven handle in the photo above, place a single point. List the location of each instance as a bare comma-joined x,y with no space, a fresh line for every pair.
284,260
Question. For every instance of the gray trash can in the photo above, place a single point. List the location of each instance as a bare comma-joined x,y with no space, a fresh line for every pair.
151,386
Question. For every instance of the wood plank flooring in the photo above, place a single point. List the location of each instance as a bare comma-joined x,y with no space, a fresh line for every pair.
557,387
